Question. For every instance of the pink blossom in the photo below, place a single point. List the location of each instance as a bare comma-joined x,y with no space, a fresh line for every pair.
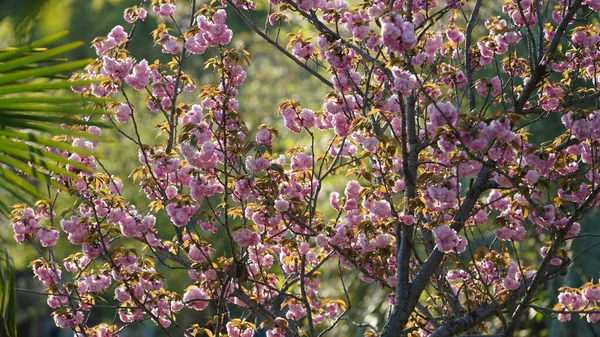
181,215
152,240
582,129
481,217
447,240
573,231
258,165
216,32
116,69
47,238
370,144
295,312
196,44
196,298
352,188
513,233
264,136
511,38
496,83
381,209
308,118
551,104
564,317
165,10
47,275
341,125
291,120
303,51
143,14
532,177
198,254
308,5
170,46
444,196
28,224
301,161
593,318
94,130
496,201
118,34
477,169
457,274
441,114
131,16
282,205
481,88
94,283
236,330
246,237
404,81
334,200
510,283
243,189
68,320
592,294
382,240
455,36
123,113
571,299
398,35
237,76
140,76
171,192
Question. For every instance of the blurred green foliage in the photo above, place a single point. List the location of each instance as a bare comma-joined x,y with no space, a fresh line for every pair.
8,296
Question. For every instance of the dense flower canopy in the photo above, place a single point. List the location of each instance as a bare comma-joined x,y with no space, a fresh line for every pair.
426,185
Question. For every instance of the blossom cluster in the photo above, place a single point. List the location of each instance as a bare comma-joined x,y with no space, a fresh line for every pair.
434,184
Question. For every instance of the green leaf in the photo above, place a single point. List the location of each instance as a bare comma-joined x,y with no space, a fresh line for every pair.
54,131
11,118
50,108
38,56
45,99
17,164
15,193
43,86
12,52
8,295
49,142
42,71
21,183
30,120
22,150
39,161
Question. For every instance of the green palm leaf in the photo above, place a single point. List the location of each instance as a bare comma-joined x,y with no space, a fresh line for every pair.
8,322
31,112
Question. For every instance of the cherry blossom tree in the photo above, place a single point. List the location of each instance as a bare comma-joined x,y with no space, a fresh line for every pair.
417,172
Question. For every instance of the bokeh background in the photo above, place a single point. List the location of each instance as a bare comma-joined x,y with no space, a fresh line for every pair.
271,79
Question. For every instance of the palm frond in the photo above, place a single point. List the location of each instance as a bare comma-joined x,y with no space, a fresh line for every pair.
32,112
8,297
